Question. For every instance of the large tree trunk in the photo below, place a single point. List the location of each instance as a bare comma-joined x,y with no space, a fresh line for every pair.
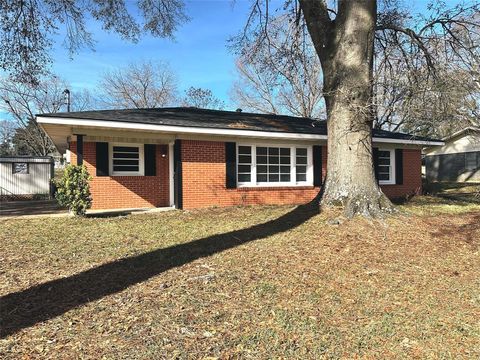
345,48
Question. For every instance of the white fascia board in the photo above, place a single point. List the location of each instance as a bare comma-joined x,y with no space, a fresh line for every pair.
406,141
207,131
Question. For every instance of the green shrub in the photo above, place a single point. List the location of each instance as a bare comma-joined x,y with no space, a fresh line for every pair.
73,189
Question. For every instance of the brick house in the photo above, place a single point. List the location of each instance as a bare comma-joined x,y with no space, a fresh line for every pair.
192,158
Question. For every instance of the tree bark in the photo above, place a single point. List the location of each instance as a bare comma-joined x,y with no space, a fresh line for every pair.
345,49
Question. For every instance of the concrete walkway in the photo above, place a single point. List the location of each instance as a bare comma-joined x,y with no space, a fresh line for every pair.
26,208
50,208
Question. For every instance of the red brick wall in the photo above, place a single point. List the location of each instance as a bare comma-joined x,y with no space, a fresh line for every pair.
412,176
204,178
121,192
204,181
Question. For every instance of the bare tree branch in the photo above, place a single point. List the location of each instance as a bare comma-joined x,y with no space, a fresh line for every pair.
202,98
23,101
28,28
140,85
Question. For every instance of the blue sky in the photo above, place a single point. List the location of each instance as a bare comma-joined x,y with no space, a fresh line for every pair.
198,54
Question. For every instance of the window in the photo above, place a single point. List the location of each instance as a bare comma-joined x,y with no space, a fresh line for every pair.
126,159
244,164
386,166
20,168
275,165
471,161
301,164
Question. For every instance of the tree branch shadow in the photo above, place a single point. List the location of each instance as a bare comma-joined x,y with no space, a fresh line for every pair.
468,231
461,198
45,301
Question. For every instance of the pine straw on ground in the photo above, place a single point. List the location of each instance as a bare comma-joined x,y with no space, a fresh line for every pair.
406,287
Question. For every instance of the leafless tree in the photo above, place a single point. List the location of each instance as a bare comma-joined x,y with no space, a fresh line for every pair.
281,77
406,95
140,85
28,27
7,131
23,101
426,105
410,96
343,33
202,98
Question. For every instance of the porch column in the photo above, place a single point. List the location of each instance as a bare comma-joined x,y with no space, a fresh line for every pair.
171,171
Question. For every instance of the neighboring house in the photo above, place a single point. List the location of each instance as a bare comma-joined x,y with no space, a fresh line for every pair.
458,160
24,177
192,158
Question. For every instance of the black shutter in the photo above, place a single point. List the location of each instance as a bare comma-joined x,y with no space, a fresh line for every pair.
149,153
375,162
101,152
79,149
231,164
399,166
317,165
177,161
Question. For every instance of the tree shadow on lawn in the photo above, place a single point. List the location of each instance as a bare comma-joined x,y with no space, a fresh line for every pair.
461,198
456,199
467,231
461,193
42,302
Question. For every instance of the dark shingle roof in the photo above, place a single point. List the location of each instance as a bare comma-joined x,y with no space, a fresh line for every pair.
219,119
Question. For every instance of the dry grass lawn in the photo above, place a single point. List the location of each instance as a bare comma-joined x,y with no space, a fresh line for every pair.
215,284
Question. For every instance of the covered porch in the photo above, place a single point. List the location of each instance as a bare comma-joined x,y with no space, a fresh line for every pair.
134,169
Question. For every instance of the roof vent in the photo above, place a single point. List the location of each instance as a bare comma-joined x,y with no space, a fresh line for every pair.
238,110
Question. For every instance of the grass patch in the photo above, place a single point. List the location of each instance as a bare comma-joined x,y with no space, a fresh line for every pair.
406,287
432,205
452,188
446,198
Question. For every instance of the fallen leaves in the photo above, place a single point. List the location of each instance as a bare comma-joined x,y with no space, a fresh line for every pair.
404,288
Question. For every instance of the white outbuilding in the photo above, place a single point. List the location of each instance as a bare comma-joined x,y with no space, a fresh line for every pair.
458,160
25,177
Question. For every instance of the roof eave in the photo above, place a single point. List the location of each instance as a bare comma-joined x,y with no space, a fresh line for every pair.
177,129
461,132
210,131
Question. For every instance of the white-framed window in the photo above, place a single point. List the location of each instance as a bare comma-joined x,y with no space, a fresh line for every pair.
274,165
126,159
244,164
301,164
386,166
